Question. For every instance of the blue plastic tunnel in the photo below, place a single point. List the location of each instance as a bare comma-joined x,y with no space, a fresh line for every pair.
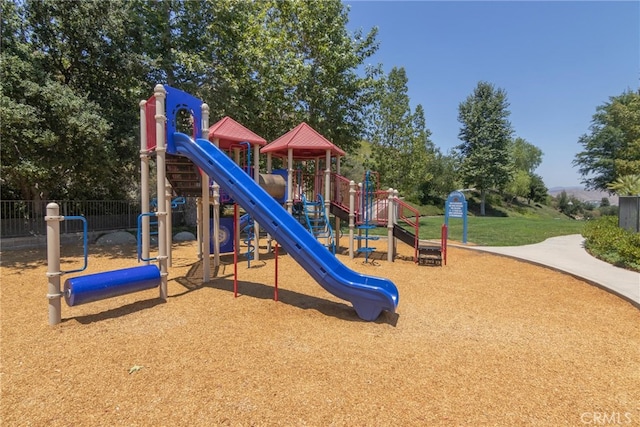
108,284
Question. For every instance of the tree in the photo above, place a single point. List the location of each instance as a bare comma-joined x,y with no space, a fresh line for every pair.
612,148
519,185
538,192
96,60
569,205
303,68
422,156
525,156
401,148
486,135
444,180
69,81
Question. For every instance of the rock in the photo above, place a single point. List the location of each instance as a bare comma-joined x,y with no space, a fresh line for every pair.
184,236
116,238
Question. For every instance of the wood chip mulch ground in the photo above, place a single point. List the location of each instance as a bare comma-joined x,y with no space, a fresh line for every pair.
482,341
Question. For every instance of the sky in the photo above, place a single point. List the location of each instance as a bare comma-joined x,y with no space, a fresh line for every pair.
557,62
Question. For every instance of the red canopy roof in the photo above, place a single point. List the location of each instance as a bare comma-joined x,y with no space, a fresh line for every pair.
305,142
230,132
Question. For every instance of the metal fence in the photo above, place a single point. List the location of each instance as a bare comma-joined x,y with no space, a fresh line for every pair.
19,218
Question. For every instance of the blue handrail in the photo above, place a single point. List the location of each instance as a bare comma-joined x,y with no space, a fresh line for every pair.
85,244
139,235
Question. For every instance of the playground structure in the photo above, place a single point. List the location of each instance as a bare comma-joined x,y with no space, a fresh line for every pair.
200,164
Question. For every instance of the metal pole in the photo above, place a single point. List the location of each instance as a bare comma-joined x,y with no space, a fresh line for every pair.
206,206
216,224
199,225
144,182
275,290
290,181
327,187
168,195
216,216
160,94
235,250
390,222
396,195
352,215
54,294
256,176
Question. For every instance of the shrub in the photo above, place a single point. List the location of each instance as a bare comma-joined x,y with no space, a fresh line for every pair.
605,240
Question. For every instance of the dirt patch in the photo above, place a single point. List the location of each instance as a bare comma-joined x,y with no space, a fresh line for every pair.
485,340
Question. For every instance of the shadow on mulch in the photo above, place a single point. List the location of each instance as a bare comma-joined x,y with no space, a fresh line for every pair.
192,281
37,257
116,312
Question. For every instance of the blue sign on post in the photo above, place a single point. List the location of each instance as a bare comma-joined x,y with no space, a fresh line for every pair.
456,207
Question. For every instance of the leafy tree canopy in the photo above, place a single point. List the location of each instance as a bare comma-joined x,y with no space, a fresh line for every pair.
612,148
486,136
74,72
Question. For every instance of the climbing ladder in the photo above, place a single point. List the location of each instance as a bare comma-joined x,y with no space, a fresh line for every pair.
366,224
317,222
246,223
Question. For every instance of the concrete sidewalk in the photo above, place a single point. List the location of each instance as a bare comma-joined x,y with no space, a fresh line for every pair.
567,254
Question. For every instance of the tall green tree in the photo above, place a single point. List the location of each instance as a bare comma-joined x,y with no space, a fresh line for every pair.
391,129
612,148
486,135
538,191
525,158
270,64
401,149
443,179
69,82
422,155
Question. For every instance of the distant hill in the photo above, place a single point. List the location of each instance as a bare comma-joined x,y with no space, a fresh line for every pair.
584,195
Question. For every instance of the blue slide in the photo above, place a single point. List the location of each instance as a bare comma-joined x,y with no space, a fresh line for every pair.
369,295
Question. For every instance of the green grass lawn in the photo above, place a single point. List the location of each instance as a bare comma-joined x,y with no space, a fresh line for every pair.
496,231
505,231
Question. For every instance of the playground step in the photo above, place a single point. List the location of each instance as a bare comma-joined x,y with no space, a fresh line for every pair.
183,175
430,255
366,227
339,212
366,237
366,250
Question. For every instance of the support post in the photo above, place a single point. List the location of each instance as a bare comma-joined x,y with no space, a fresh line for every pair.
144,183
168,195
206,228
390,221
206,252
54,295
216,215
160,94
352,215
216,224
199,226
327,184
336,195
290,181
256,177
396,196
